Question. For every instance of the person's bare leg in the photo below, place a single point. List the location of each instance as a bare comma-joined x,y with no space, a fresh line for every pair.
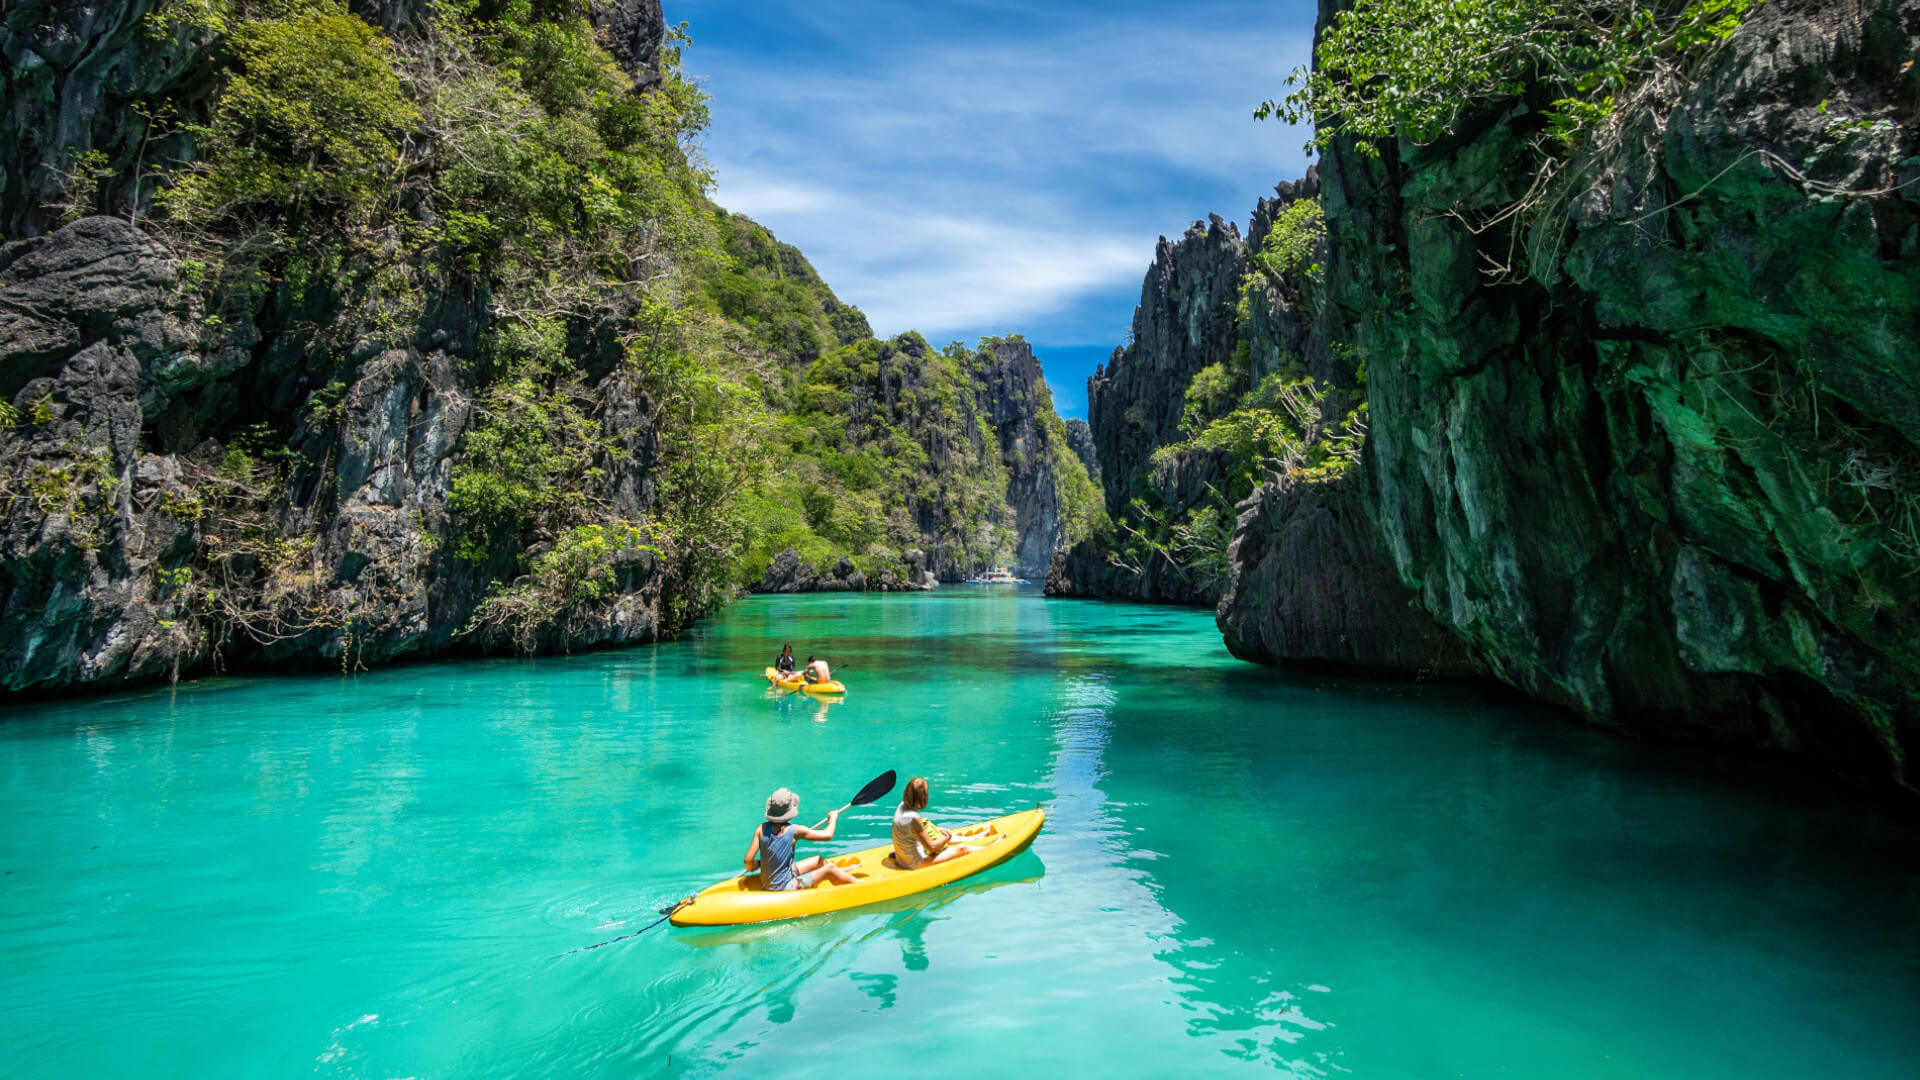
808,864
835,873
951,851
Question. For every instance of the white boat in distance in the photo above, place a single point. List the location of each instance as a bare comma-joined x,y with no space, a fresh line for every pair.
999,575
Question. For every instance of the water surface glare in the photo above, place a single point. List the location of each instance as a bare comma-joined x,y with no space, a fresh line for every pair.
1243,872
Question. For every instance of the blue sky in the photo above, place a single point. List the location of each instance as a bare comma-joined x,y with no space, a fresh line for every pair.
985,167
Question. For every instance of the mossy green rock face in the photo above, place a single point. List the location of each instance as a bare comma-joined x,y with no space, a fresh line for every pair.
353,452
1667,473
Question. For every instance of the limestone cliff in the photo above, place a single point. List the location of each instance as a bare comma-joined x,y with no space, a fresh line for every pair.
1183,323
958,451
1203,305
1080,440
1663,473
223,465
193,482
1019,408
121,466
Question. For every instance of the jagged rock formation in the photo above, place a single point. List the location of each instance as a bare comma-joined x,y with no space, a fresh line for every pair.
1017,404
1086,570
1188,319
106,468
1184,322
74,76
86,323
1283,324
1663,476
127,451
1080,441
895,446
633,31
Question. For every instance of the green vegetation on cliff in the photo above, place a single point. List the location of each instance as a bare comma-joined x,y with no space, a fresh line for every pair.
887,446
361,181
634,398
1236,430
1386,69
1638,284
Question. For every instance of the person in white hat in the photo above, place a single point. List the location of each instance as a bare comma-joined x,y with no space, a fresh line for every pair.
772,848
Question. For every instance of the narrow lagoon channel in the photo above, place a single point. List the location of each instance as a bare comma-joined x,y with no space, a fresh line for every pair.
1243,872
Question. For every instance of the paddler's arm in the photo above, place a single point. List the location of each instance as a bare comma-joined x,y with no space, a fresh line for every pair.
833,822
753,850
934,837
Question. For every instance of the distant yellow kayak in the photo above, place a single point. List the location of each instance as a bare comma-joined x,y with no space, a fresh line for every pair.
798,681
741,900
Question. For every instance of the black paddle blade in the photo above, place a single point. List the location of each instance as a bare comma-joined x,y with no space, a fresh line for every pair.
876,788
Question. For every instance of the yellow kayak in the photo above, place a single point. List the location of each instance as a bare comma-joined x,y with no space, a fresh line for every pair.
831,686
741,900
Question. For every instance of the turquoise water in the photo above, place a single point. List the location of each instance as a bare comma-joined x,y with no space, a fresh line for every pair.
1242,872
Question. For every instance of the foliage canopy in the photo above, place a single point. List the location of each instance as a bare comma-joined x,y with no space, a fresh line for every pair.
1387,69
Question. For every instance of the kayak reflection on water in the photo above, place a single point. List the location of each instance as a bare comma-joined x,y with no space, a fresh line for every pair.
791,704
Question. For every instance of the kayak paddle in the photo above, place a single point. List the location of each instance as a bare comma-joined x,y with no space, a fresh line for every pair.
875,789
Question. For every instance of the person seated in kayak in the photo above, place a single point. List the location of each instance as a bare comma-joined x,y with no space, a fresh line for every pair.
817,671
784,665
772,848
918,842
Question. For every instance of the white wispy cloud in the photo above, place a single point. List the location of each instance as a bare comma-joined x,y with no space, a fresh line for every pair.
1006,171
937,273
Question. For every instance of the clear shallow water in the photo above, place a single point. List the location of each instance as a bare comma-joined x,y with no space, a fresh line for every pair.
1242,872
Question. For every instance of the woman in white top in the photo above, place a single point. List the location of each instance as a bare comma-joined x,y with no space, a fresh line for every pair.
918,842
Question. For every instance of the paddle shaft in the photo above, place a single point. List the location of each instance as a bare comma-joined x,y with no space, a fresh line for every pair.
823,821
665,914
